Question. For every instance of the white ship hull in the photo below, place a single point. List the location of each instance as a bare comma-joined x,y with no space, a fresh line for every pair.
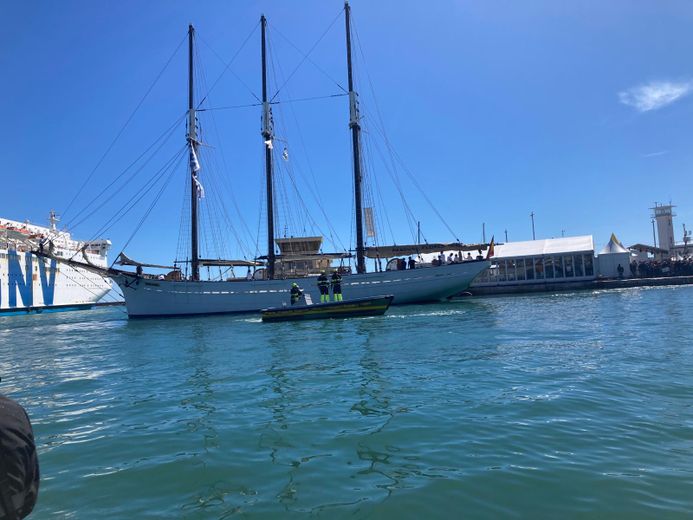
146,297
32,284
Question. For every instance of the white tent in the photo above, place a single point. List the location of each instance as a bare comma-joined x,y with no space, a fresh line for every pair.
611,257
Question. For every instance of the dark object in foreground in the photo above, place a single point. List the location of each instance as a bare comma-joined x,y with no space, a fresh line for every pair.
19,470
375,306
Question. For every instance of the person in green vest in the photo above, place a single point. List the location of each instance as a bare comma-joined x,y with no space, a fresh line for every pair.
296,293
336,283
324,287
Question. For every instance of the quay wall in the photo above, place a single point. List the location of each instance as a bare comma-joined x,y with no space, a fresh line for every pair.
524,288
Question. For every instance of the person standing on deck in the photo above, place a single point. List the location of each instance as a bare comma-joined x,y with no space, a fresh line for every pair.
336,283
296,293
324,287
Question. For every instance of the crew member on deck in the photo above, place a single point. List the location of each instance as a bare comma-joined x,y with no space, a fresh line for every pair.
336,283
296,293
324,286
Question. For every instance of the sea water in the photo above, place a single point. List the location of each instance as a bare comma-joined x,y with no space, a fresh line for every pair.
558,405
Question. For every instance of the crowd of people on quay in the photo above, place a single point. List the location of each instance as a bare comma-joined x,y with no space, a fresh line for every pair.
655,268
401,264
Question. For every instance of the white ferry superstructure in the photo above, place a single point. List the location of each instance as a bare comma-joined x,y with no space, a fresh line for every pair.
32,284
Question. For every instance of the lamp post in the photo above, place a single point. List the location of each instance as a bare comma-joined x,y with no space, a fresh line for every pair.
534,237
654,237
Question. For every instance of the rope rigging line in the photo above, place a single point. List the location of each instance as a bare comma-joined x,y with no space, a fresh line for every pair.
306,56
228,66
125,209
282,193
120,132
284,102
390,148
409,214
212,242
263,195
376,216
163,139
216,210
183,245
378,192
81,285
289,166
149,210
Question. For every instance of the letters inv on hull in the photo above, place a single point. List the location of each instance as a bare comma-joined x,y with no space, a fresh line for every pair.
31,283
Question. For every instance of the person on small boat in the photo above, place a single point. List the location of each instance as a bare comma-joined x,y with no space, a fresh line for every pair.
324,286
336,283
296,293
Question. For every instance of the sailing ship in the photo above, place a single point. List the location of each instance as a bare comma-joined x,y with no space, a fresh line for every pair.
32,284
176,294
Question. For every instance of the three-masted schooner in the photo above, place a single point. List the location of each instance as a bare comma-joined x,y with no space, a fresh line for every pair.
148,295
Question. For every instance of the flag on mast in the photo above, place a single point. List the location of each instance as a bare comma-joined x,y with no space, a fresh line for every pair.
195,162
199,187
490,251
370,223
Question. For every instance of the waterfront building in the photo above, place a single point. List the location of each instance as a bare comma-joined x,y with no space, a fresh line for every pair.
539,265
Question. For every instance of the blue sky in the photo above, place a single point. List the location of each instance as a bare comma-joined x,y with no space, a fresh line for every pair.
578,111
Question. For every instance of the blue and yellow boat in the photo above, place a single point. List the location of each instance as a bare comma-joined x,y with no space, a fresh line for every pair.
374,306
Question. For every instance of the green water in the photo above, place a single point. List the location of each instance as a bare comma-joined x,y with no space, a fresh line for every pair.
550,406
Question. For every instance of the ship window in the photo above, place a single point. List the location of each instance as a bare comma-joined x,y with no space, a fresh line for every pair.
539,268
520,269
568,263
501,271
558,267
529,263
493,273
548,263
589,267
577,261
511,270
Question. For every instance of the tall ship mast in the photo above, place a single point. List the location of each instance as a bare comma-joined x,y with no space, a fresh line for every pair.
300,260
356,148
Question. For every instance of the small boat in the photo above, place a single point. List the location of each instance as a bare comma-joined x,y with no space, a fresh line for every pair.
375,306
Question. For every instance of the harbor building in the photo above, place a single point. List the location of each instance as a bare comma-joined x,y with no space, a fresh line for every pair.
539,265
552,264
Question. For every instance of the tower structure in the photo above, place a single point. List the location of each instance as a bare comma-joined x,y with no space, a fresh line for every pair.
664,215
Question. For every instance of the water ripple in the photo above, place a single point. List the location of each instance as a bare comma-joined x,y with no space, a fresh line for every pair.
542,405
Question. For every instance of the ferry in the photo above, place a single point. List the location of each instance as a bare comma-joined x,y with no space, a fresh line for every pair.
30,284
